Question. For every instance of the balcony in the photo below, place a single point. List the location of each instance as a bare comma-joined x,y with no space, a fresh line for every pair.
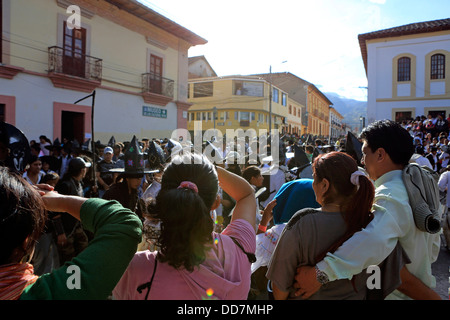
75,71
156,89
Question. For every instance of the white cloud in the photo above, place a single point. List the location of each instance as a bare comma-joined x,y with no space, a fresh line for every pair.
378,1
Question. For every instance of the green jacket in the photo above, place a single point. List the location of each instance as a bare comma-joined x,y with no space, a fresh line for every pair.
94,273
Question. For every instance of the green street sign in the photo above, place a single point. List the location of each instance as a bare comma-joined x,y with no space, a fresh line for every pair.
154,112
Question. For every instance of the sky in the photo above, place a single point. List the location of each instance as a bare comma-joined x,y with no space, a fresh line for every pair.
316,40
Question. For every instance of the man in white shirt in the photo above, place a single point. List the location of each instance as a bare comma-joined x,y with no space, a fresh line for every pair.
387,149
419,158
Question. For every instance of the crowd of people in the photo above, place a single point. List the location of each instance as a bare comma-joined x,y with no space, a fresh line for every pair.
220,224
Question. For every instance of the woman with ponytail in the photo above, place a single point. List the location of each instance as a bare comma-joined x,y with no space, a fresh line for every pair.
193,261
346,195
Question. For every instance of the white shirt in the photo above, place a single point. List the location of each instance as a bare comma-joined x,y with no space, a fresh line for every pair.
443,183
421,160
443,157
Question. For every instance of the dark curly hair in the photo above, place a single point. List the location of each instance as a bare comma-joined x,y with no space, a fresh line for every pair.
186,224
22,215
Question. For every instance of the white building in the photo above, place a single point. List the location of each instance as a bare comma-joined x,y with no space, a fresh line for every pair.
408,70
135,59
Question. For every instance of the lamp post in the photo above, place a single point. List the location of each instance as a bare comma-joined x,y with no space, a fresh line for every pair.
270,97
363,121
92,95
214,118
270,100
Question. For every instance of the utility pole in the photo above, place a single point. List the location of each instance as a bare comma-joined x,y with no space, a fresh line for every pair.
270,99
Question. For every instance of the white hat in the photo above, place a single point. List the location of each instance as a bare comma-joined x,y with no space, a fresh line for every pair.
108,150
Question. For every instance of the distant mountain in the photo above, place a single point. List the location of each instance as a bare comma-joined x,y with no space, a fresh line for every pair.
350,109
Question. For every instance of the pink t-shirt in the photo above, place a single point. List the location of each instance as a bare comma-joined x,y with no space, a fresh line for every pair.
225,274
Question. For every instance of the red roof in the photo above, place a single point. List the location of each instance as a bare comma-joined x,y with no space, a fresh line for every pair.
145,13
408,29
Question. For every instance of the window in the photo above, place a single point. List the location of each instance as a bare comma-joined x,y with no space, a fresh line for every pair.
252,116
248,88
283,99
244,120
2,112
197,116
203,89
402,115
404,69
74,57
156,72
275,95
236,115
260,117
437,66
290,109
245,116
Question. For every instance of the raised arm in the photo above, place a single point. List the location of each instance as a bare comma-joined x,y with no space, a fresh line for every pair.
241,191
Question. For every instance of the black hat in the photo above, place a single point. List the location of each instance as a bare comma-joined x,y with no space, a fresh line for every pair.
86,145
67,147
155,155
133,160
172,146
16,147
100,145
112,141
211,150
86,150
353,147
300,158
316,152
77,163
56,145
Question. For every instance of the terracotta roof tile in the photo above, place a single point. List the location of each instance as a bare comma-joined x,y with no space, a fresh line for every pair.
408,29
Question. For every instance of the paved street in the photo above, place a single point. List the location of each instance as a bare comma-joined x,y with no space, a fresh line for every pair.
441,270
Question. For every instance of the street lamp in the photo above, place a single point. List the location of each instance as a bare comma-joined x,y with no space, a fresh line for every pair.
270,97
363,121
214,118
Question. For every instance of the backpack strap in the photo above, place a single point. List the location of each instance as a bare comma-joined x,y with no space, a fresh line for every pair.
251,256
148,285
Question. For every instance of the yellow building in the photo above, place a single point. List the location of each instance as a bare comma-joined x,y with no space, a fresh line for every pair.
294,118
55,52
318,107
236,102
336,125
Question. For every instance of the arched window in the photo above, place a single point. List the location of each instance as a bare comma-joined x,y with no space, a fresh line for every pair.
404,69
437,66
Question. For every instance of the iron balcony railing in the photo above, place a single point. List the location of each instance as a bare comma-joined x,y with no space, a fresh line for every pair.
72,63
154,83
